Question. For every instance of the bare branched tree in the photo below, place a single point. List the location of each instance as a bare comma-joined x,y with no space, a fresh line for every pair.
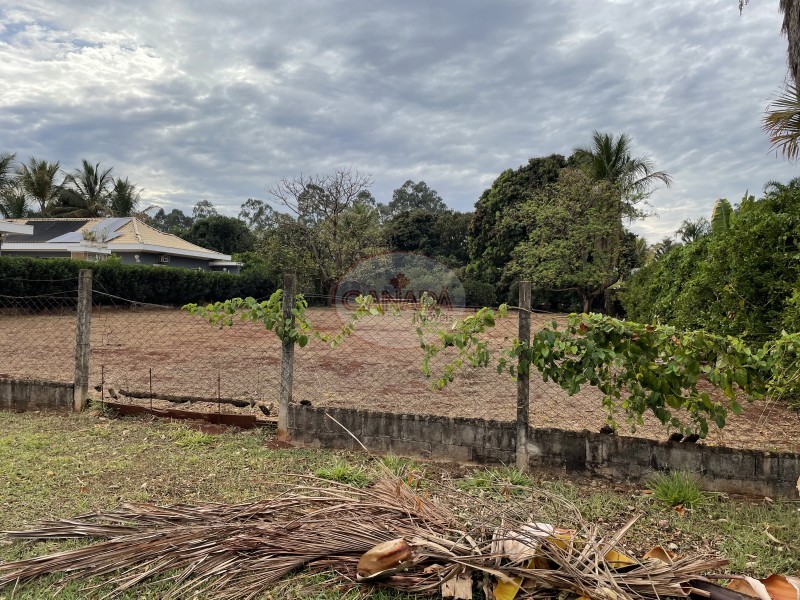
319,203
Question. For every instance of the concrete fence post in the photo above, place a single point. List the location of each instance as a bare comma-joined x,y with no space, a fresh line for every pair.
523,376
287,358
83,332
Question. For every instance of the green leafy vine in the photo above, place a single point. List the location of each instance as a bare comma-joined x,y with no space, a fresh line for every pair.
637,367
296,329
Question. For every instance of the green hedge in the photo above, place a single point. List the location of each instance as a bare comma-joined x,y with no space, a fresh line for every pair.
157,285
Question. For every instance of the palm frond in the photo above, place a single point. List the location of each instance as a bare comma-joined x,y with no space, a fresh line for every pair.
243,550
782,122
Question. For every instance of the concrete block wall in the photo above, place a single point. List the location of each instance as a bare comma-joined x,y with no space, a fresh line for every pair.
456,439
33,394
482,441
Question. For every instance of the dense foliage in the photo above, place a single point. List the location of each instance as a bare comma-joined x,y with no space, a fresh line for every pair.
639,368
223,234
495,231
575,240
156,285
738,280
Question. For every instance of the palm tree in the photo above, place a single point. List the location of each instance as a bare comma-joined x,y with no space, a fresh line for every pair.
662,248
692,230
782,122
38,181
124,199
14,203
6,160
776,188
791,27
641,251
611,159
85,192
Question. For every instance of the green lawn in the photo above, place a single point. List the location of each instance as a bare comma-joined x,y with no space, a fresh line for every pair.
57,466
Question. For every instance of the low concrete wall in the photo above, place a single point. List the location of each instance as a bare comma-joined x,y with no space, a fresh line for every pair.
491,442
32,394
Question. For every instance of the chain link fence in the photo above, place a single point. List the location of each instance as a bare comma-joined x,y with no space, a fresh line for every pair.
151,355
37,335
163,357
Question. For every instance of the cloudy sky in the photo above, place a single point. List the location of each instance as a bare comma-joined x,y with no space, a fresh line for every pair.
217,100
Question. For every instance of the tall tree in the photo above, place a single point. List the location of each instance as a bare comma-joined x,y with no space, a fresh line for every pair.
85,192
441,235
203,210
38,180
610,158
641,252
174,222
664,247
223,234
413,196
576,238
494,231
320,204
124,198
256,214
782,119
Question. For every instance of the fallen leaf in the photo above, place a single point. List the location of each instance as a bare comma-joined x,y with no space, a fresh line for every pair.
680,509
782,588
617,560
459,587
749,587
659,553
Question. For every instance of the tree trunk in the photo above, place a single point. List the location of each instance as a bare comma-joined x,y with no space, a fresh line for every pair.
608,302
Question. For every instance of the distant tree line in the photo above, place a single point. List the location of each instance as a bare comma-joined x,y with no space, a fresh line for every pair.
556,221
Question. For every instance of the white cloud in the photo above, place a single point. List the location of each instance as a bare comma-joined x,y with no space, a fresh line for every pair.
217,100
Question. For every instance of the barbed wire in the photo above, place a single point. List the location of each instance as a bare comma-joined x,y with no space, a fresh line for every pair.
135,302
62,294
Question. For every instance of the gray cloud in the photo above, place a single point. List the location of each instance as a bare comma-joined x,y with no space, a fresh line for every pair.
196,100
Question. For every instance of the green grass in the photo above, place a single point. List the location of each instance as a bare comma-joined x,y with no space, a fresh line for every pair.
342,471
678,488
401,466
503,480
59,466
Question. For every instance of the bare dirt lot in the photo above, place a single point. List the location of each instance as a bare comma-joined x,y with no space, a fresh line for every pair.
172,353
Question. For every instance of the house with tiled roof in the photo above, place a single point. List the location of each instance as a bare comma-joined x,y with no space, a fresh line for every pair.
132,240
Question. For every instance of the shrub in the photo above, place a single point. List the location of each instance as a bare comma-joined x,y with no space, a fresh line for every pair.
21,276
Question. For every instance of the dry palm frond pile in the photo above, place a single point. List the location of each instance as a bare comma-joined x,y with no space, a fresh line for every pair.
388,535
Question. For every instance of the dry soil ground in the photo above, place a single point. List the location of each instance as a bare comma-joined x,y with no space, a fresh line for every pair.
378,368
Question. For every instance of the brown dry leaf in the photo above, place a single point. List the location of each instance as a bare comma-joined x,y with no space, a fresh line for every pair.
680,509
384,559
659,553
749,587
782,588
459,587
